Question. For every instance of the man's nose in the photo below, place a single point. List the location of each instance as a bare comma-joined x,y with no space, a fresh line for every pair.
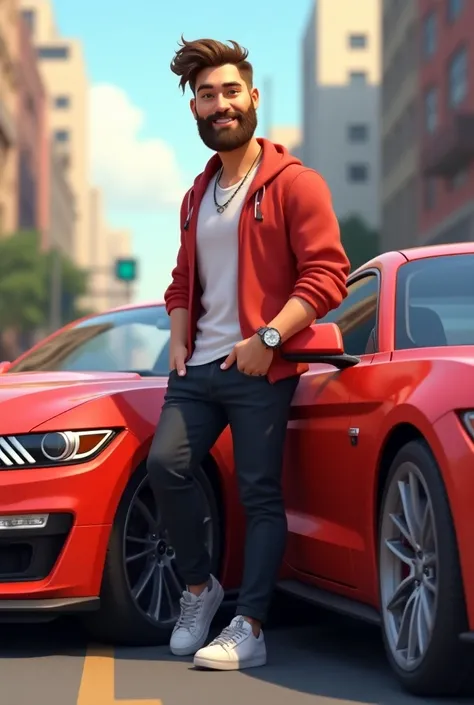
222,104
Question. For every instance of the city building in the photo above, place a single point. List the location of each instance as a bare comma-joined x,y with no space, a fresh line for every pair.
100,271
399,124
63,70
341,57
108,245
32,152
9,49
446,108
62,210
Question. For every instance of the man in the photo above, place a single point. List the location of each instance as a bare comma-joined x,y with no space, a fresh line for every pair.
260,259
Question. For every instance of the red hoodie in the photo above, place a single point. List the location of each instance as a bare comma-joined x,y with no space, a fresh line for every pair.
289,245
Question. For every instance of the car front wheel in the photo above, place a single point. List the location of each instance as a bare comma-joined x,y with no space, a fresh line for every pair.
421,589
141,585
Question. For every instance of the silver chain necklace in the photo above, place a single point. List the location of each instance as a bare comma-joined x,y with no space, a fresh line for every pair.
221,207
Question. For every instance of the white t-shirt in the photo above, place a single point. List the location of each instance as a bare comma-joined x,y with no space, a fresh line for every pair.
217,246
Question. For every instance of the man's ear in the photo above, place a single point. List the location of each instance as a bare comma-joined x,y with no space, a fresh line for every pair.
192,105
255,95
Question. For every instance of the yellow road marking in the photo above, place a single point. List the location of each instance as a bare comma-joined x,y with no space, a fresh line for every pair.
98,680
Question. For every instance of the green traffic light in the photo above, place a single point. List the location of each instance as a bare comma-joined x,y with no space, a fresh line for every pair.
126,270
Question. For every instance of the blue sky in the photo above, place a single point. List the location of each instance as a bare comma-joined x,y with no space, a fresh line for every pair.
130,45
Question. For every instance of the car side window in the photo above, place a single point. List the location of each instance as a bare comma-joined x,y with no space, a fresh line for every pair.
357,316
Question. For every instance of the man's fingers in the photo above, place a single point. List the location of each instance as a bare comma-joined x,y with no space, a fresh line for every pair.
180,366
230,359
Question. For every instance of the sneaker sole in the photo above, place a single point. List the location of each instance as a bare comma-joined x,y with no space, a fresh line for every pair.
210,664
191,650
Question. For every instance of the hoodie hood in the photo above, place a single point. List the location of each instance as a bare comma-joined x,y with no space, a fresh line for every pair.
275,158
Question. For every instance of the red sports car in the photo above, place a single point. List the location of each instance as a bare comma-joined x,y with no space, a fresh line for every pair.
379,470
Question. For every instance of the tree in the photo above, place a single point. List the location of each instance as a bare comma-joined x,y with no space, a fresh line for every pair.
25,284
73,286
361,242
22,291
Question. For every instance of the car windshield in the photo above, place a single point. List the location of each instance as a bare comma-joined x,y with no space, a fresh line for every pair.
435,302
133,340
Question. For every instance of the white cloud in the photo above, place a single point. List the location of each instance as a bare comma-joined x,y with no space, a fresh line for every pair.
135,173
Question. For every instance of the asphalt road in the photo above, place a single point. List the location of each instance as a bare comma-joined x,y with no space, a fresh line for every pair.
315,657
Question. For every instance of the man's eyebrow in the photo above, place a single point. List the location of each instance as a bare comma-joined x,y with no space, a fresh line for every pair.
210,86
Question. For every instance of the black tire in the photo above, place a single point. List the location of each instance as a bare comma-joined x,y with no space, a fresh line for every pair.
119,620
446,662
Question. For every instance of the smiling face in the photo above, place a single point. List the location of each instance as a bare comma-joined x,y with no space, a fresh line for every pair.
225,108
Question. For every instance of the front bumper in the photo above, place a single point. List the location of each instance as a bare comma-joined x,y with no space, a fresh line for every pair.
45,610
59,568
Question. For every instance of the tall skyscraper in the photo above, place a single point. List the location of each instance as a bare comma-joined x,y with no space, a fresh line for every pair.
33,139
63,70
446,100
341,86
8,106
427,122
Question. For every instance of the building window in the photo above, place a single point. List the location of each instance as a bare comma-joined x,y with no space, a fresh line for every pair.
61,136
358,133
56,52
62,101
356,77
29,19
431,110
357,41
429,35
358,173
454,9
457,78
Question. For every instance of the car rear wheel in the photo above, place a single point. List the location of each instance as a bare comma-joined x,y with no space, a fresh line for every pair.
421,589
141,585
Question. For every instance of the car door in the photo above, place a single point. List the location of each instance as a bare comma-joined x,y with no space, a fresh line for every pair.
319,456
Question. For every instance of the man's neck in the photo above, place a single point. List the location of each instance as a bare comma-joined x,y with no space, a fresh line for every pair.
237,163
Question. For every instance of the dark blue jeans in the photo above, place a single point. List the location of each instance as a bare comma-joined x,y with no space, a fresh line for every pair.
197,408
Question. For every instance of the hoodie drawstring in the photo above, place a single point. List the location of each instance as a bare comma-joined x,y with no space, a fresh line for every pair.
257,210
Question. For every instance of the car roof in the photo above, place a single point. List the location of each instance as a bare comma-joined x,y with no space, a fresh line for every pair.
421,252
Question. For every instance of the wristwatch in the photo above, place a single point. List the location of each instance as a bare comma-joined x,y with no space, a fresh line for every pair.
270,337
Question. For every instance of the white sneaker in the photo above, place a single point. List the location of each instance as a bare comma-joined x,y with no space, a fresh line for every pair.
235,648
197,612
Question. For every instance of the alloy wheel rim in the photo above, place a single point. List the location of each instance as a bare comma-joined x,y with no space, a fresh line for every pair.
149,561
408,567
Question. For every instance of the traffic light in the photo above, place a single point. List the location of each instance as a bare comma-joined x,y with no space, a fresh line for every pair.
126,269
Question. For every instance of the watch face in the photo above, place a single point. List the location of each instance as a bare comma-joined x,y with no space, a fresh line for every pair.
271,338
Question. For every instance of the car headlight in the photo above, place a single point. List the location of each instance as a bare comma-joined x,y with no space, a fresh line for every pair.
52,448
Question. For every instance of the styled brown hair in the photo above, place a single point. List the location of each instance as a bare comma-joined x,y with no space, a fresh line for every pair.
201,54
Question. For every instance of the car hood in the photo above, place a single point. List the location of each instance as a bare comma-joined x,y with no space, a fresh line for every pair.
28,399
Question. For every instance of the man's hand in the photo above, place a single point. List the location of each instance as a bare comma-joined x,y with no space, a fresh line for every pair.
178,355
251,356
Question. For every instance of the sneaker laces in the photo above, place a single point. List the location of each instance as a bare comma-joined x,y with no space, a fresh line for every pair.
231,635
190,608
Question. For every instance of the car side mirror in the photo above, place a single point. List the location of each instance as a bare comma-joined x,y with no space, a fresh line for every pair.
5,366
319,343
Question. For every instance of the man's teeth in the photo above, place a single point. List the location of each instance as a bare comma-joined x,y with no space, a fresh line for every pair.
223,120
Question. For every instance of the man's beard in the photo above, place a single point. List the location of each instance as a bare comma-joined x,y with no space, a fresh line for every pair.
226,139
